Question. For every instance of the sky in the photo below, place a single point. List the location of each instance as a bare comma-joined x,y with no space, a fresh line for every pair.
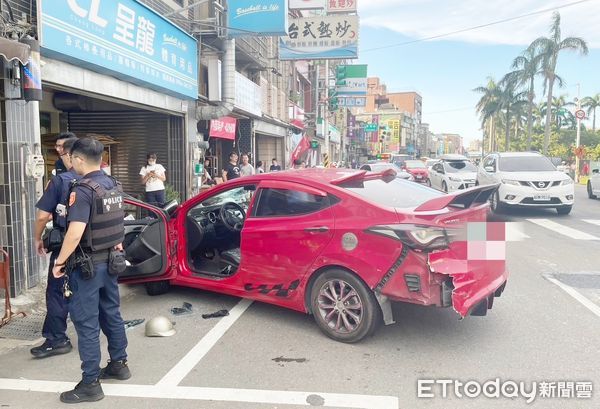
446,70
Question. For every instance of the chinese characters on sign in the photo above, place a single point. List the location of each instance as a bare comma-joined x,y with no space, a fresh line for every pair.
122,37
326,37
352,101
394,125
223,128
341,6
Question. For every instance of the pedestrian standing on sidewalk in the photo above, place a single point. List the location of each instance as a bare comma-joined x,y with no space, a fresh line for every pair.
94,236
246,169
232,171
275,167
53,205
153,177
260,167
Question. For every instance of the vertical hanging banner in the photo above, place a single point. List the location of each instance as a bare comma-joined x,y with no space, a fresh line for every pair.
320,38
257,18
341,6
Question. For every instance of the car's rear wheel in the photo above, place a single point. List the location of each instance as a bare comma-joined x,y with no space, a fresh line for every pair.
564,209
344,308
157,287
444,187
591,195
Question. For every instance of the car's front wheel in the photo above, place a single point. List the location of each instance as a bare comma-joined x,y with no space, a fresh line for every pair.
591,195
496,205
157,287
344,308
564,209
444,187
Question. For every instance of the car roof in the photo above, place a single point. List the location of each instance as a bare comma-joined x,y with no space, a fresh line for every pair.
311,175
517,154
453,156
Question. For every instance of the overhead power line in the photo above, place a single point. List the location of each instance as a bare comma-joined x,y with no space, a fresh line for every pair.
493,23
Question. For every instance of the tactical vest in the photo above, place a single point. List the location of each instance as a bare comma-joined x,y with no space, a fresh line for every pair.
105,228
59,216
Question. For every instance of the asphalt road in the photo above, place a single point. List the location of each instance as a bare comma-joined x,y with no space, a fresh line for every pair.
544,328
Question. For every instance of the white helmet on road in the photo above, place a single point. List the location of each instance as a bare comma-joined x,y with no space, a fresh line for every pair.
160,327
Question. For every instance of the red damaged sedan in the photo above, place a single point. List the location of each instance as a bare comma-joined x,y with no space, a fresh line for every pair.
338,244
417,169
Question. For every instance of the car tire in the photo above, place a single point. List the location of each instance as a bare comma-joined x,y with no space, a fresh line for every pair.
589,190
428,182
328,316
564,210
444,187
157,287
495,204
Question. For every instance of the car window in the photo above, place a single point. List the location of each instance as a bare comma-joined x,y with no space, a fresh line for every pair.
526,164
437,167
285,202
395,193
459,166
241,195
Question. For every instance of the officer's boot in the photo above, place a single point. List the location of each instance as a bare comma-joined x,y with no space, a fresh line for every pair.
83,392
116,370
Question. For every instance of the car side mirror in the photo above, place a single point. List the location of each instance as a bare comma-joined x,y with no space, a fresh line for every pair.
170,207
489,169
596,171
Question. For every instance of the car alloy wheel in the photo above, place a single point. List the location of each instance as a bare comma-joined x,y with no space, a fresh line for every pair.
496,205
591,195
444,187
428,182
343,306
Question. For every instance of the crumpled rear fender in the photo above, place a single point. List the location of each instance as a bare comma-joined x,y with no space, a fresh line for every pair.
473,280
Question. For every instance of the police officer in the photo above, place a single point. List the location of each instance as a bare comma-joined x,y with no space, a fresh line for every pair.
53,205
95,227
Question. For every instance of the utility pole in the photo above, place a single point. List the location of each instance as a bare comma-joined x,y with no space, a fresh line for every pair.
326,110
578,142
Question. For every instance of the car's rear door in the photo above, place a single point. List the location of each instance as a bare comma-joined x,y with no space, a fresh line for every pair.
289,226
148,244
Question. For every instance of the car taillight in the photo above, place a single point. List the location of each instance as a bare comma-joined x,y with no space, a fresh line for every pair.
416,237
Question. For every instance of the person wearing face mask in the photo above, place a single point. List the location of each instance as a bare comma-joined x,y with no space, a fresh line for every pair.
153,177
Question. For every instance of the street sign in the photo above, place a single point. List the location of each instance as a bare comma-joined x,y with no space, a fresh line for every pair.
580,114
371,127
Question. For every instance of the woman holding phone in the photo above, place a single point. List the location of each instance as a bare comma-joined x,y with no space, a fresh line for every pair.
153,177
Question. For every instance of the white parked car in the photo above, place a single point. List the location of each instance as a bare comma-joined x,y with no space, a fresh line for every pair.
452,175
382,166
526,179
593,184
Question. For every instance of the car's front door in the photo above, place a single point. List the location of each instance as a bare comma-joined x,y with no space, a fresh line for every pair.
147,244
437,175
289,226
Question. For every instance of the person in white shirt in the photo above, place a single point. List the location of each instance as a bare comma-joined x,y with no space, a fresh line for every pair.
153,177
259,167
246,169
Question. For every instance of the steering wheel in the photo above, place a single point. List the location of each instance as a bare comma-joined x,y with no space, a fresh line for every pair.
232,215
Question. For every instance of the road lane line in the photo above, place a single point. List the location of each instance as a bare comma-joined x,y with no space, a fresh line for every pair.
515,231
575,294
596,222
191,359
339,400
562,229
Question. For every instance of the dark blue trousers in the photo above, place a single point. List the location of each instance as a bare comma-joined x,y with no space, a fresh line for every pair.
95,304
55,323
156,198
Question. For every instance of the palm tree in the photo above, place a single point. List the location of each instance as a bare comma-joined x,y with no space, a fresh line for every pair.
526,68
549,49
508,99
591,103
488,107
559,111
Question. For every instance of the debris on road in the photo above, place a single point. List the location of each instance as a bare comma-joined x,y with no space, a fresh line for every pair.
220,313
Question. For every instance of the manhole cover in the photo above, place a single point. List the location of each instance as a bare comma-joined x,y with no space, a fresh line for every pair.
28,328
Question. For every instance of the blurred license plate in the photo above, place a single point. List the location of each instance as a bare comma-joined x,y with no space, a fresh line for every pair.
418,176
541,197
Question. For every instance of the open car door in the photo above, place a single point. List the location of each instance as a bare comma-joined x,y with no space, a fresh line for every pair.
149,247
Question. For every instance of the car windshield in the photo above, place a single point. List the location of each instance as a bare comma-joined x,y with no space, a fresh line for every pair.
459,166
396,193
525,164
414,164
380,167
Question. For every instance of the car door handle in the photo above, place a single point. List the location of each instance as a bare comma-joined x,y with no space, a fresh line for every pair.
321,229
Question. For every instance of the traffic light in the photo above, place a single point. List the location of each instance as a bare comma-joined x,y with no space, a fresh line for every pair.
314,144
333,100
340,75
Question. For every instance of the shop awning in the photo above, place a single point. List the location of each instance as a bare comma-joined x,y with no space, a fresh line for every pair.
14,50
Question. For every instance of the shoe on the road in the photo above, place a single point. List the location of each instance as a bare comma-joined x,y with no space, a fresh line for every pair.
115,370
83,392
47,349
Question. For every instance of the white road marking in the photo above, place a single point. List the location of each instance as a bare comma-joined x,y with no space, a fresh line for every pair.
514,231
576,294
191,359
214,394
562,229
596,222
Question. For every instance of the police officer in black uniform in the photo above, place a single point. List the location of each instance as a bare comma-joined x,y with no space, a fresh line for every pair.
53,205
95,229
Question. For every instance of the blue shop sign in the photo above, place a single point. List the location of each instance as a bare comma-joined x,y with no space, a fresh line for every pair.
121,38
258,18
